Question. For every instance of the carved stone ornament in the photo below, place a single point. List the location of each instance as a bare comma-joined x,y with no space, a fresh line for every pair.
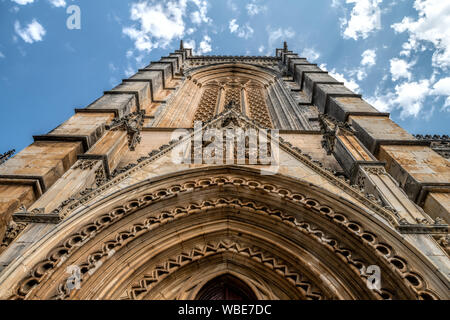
4,157
330,128
12,232
226,119
132,123
85,164
37,215
378,171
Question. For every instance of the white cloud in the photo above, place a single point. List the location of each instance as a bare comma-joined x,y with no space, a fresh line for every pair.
232,5
233,26
382,103
244,31
442,87
364,19
200,16
158,24
310,53
1,55
336,3
277,36
189,43
410,97
33,32
58,3
360,74
205,45
112,67
351,84
432,25
23,2
400,69
261,49
368,58
254,8
55,3
129,71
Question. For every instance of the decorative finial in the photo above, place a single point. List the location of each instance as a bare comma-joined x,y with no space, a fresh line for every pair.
6,156
285,47
181,45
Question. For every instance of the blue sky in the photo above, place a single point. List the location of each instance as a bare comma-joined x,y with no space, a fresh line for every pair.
395,53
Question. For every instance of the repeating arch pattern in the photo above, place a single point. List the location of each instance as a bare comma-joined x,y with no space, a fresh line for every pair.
141,287
369,239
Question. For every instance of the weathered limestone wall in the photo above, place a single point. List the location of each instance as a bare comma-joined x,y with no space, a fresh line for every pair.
422,173
82,142
417,168
311,143
437,204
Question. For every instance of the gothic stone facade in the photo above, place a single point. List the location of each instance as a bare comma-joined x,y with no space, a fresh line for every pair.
99,209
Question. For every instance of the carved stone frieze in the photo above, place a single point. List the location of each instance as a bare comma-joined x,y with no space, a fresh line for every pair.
85,164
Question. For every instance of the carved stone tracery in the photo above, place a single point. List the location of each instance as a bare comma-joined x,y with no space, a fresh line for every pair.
207,107
258,107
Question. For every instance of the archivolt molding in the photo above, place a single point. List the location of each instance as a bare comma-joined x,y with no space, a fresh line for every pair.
140,288
250,271
270,66
369,240
279,107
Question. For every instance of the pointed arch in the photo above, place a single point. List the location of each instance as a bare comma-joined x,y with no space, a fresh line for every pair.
310,243
254,89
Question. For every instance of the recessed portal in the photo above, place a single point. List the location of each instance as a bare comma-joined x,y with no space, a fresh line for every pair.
226,287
